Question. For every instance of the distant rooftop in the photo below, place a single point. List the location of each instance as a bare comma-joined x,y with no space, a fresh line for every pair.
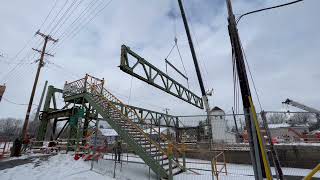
108,132
216,108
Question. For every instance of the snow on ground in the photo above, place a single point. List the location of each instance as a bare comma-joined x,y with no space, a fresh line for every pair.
63,166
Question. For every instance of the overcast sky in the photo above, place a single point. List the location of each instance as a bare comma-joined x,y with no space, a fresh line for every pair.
282,48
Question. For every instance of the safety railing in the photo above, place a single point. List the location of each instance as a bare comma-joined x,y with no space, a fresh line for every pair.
131,114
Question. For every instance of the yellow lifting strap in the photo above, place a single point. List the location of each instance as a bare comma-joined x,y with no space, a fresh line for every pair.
312,173
262,148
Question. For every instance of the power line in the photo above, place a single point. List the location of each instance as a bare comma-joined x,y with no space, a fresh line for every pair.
54,5
66,19
73,25
20,104
56,16
62,16
89,20
18,65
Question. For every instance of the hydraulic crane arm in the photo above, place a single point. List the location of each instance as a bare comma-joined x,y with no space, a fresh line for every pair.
301,106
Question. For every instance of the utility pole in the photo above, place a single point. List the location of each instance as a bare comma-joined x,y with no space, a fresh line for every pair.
195,61
40,65
258,154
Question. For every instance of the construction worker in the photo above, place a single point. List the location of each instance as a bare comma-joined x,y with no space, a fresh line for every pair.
15,150
117,149
26,143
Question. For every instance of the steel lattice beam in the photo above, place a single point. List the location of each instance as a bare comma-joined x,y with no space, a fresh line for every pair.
156,77
152,117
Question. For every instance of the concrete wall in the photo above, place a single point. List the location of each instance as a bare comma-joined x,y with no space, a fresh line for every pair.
297,156
283,131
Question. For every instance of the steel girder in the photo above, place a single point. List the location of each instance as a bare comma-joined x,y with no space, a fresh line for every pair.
156,77
152,117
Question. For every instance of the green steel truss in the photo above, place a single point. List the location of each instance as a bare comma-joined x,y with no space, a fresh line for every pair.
155,77
127,123
151,117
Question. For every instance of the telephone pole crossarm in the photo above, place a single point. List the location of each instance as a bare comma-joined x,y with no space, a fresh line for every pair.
46,36
48,54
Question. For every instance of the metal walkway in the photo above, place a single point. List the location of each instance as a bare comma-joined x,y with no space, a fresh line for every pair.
122,120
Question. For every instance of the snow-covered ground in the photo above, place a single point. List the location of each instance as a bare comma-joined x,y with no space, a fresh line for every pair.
63,166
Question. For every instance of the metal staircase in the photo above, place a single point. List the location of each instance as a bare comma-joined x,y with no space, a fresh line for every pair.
123,120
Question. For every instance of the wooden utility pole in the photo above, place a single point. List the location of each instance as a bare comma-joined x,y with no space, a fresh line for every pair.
40,65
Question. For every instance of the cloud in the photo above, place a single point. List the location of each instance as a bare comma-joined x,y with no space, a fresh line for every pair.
281,48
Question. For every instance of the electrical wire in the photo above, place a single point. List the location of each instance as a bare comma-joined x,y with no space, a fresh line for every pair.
251,76
55,17
39,41
63,16
66,19
16,71
71,26
20,104
264,9
45,20
81,18
89,20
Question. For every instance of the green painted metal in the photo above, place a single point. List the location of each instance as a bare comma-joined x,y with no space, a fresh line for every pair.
153,164
152,117
74,126
120,117
156,77
46,108
170,175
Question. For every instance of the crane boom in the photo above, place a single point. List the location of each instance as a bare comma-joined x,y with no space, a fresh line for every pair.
306,108
301,106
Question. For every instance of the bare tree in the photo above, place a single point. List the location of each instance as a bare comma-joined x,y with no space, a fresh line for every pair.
300,118
10,127
277,118
33,128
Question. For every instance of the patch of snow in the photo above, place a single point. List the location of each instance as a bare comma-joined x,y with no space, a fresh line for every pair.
282,125
108,132
63,166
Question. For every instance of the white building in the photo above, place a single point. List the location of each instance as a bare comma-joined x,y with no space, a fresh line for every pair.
105,136
219,127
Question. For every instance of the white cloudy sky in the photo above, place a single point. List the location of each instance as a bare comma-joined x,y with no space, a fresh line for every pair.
282,47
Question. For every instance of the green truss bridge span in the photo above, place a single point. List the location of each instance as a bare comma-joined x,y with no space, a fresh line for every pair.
127,123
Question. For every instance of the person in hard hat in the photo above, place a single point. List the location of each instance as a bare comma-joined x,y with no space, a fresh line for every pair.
117,149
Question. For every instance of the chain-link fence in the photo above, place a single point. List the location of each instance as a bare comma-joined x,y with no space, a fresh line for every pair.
295,136
219,147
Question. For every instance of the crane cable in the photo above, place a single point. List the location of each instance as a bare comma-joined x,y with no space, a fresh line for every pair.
235,85
251,76
185,75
